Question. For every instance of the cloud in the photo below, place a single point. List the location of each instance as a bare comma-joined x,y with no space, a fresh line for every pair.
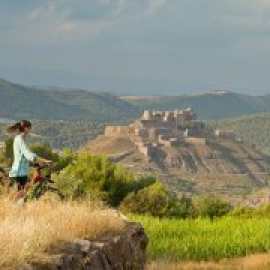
155,5
126,43
67,28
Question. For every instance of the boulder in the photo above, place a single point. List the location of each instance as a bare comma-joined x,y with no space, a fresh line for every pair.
126,251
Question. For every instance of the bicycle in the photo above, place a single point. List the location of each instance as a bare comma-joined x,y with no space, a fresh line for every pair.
41,184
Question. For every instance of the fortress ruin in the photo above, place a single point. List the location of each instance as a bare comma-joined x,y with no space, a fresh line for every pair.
162,128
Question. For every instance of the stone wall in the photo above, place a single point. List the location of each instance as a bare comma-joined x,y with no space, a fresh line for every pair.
115,130
198,141
225,134
147,149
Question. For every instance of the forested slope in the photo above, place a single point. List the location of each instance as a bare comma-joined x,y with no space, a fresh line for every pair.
254,129
60,134
21,102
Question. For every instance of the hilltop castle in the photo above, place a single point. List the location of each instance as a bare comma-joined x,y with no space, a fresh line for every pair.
162,128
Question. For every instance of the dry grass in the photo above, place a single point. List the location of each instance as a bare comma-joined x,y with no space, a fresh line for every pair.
252,262
28,231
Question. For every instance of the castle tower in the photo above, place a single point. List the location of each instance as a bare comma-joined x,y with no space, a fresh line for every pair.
146,115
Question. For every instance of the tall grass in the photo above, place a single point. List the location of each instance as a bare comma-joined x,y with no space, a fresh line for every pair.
201,240
27,231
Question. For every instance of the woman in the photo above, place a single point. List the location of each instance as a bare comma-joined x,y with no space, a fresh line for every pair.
22,155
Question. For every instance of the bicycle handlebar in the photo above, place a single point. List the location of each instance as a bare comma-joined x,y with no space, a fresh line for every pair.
40,167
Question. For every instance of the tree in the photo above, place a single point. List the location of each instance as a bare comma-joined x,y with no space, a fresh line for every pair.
155,200
211,206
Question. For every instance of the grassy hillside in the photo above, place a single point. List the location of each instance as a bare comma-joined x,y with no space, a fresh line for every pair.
254,129
207,106
19,102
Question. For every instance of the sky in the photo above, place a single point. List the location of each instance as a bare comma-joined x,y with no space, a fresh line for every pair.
137,47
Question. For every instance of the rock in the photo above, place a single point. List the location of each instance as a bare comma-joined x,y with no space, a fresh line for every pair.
126,251
114,213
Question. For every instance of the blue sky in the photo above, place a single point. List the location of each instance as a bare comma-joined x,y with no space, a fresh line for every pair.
148,47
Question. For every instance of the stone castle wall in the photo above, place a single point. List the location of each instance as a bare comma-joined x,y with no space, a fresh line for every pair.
225,134
157,128
197,141
116,130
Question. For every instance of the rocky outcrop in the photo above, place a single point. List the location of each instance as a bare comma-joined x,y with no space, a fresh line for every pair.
126,251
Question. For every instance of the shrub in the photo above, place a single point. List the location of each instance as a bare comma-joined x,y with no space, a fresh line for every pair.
2,158
9,151
155,200
45,150
211,206
262,211
96,176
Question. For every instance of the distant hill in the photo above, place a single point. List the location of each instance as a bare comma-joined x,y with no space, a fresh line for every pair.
52,103
60,134
212,105
21,102
254,129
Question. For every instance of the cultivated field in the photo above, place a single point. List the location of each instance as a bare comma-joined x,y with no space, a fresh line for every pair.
175,240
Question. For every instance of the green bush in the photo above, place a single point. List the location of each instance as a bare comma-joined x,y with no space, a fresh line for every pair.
96,176
9,151
44,150
211,206
262,211
2,158
155,200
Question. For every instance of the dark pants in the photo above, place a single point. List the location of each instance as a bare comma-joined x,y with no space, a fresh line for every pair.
20,181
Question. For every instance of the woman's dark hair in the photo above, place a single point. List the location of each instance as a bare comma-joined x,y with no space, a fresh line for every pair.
20,126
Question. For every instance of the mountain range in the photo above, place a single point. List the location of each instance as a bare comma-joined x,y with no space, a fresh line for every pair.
212,105
22,102
18,102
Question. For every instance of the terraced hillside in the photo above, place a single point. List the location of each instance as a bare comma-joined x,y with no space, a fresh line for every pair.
222,166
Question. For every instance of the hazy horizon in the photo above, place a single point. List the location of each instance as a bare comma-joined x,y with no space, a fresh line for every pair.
144,47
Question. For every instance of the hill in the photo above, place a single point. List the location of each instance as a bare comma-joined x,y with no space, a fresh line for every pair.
19,102
60,134
221,165
254,129
212,105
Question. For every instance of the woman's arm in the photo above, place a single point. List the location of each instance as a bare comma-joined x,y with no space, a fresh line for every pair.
30,156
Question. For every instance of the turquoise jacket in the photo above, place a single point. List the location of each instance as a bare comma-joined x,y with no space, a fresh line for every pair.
22,157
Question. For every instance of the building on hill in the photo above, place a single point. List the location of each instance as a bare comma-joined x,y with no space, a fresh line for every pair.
161,128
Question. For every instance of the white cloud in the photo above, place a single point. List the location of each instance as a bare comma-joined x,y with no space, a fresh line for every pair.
155,5
67,28
42,12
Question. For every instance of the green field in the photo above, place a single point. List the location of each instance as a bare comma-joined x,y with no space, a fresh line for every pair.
201,240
